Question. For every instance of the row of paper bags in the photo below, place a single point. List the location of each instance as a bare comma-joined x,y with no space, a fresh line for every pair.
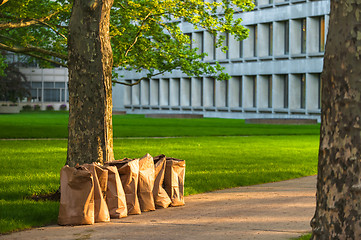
95,193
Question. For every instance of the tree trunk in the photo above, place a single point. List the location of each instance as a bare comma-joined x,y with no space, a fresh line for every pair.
90,87
338,208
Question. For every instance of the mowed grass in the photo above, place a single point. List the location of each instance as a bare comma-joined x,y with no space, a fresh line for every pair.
30,167
213,162
55,125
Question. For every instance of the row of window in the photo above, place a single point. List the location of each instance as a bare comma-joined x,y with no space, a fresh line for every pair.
267,3
49,92
297,36
283,91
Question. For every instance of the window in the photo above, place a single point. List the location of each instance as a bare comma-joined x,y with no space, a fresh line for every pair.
240,104
221,93
59,84
210,97
50,92
48,84
226,43
214,47
35,94
241,49
285,91
51,95
197,92
174,92
128,93
255,41
270,39
303,35
287,37
254,102
35,84
269,91
154,89
164,94
145,89
303,91
249,49
190,39
197,42
235,91
185,92
319,91
218,52
322,34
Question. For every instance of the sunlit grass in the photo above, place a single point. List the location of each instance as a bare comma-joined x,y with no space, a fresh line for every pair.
30,167
219,153
224,162
303,237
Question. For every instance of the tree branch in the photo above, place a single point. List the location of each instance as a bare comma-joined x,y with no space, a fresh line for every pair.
130,84
52,28
31,48
138,33
29,53
3,1
27,23
139,80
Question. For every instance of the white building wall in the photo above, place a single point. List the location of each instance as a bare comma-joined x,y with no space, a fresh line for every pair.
250,63
48,87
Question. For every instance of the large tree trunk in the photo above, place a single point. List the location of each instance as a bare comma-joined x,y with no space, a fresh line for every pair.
90,94
338,209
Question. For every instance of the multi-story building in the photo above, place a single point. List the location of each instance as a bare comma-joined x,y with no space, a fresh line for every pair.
275,72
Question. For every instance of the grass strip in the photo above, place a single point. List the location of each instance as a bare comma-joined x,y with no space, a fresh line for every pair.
55,124
303,237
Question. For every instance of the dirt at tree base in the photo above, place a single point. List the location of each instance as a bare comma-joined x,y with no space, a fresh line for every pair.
280,210
46,197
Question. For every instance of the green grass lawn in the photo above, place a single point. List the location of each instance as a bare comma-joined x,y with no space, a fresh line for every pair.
33,166
54,125
303,237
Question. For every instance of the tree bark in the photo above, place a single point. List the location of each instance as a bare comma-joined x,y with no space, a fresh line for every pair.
338,208
90,87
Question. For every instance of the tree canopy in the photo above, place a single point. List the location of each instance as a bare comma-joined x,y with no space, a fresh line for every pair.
145,34
13,84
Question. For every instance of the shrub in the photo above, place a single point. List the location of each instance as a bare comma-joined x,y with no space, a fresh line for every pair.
49,108
27,108
13,104
63,107
36,107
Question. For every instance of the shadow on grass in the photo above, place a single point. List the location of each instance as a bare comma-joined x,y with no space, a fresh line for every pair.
34,214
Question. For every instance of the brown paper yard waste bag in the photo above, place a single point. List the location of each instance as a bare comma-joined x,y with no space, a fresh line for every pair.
146,183
174,180
115,199
100,179
77,196
161,198
128,170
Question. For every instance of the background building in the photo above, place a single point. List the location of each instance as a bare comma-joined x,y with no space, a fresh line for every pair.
275,72
48,87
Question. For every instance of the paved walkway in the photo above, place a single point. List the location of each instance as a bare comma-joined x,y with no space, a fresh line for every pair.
277,211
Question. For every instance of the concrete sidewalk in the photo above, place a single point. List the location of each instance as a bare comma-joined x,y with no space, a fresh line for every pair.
269,211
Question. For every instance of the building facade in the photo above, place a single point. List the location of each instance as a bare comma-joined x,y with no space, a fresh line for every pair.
49,87
275,72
